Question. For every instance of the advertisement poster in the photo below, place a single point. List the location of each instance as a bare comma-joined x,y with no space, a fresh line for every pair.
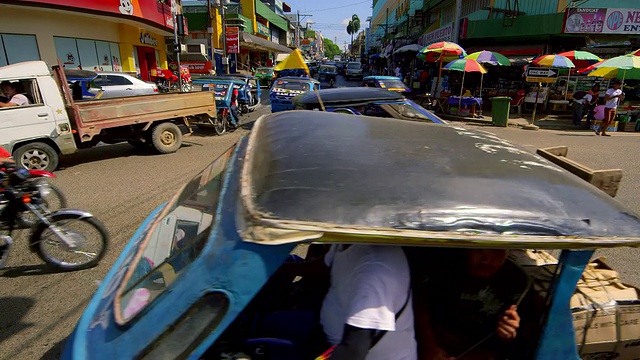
602,21
444,33
233,40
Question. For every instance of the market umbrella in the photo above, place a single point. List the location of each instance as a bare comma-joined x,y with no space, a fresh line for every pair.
636,53
627,63
409,48
441,51
465,65
490,58
558,61
581,59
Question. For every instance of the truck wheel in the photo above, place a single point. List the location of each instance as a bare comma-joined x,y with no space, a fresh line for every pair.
166,137
36,156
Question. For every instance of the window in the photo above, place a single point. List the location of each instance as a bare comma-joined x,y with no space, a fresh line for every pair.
87,54
18,48
353,65
173,241
28,88
118,80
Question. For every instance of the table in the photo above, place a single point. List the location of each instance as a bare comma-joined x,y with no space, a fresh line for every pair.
466,101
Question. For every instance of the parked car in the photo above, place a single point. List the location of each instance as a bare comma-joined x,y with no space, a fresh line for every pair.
353,69
115,84
389,83
365,101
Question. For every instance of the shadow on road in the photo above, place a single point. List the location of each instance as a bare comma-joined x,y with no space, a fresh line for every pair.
14,309
27,270
105,152
55,352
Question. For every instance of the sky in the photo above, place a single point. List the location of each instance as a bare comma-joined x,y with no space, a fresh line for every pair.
332,16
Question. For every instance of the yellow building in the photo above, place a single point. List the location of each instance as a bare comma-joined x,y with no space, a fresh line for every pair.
126,36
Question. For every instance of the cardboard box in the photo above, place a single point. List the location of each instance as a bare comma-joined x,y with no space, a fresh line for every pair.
612,127
606,312
627,126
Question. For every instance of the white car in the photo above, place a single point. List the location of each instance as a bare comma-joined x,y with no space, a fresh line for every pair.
115,84
354,69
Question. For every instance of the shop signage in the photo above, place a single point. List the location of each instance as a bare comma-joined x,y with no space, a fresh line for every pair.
233,39
535,74
602,21
275,36
198,67
442,34
150,10
263,30
147,39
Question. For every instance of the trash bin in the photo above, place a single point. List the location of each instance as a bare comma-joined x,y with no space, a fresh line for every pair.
500,107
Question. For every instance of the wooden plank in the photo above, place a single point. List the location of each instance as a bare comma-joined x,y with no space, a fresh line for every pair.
605,180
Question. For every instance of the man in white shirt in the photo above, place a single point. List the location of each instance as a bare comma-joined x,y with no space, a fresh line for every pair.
612,98
367,312
11,91
578,108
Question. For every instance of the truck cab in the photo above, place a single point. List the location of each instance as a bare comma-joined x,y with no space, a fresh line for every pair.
39,130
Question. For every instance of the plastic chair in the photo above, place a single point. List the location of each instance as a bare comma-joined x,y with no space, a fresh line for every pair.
518,105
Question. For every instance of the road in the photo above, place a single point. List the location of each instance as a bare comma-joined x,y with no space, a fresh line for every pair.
121,185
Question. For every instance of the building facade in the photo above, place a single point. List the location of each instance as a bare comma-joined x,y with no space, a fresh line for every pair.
126,36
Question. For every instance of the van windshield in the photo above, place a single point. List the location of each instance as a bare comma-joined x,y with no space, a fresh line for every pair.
353,65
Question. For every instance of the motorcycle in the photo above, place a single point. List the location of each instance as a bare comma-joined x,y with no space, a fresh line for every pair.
53,234
167,80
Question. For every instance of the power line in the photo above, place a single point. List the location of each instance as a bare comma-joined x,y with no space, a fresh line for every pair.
338,7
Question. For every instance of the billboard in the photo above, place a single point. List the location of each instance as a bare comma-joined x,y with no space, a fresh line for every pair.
233,39
602,21
153,10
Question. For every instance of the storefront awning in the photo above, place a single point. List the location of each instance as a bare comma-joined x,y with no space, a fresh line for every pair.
510,49
257,43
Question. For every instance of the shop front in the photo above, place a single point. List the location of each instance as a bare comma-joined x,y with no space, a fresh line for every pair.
142,51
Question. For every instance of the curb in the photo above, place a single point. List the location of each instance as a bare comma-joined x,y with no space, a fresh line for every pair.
510,124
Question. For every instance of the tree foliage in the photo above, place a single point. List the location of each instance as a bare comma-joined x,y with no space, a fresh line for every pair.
331,49
353,27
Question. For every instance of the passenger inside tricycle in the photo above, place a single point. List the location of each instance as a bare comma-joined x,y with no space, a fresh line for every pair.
358,302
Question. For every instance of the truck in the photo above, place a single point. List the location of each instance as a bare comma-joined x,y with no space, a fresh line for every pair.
54,124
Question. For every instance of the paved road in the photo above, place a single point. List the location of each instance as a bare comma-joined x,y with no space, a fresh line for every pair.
121,185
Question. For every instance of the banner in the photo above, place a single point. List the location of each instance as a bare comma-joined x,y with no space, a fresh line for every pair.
442,34
233,40
602,21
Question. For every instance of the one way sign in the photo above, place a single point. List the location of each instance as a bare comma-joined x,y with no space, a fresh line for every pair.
534,74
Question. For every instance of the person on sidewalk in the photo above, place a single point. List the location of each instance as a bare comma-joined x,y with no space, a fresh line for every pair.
589,110
612,98
577,107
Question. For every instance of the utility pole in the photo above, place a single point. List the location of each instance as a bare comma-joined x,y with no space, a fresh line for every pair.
298,27
224,37
176,42
456,21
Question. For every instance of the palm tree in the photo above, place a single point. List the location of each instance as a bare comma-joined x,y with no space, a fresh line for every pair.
353,27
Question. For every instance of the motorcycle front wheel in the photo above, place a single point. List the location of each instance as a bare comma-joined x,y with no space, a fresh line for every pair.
53,199
86,241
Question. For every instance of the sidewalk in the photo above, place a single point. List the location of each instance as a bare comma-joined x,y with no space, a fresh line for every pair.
555,121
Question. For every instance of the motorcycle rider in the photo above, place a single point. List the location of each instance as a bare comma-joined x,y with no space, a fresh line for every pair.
235,115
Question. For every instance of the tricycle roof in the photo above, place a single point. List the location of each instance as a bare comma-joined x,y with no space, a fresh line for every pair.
298,79
218,80
348,95
80,75
413,183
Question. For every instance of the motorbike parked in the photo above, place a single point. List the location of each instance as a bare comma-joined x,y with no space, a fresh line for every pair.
54,235
167,80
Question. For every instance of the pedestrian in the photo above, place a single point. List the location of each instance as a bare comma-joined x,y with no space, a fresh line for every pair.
398,71
594,92
577,107
612,99
424,76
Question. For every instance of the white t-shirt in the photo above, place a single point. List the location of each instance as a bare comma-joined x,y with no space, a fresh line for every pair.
19,99
586,99
613,103
369,285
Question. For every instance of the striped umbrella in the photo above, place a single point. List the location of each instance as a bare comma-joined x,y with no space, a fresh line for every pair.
441,51
624,64
558,61
636,53
581,59
489,57
465,65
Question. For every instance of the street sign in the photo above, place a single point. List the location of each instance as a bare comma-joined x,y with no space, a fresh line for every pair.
547,75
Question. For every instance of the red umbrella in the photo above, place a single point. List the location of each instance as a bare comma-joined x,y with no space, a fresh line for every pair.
636,53
590,68
581,59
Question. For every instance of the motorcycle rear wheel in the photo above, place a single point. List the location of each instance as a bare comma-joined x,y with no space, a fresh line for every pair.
54,201
220,124
83,230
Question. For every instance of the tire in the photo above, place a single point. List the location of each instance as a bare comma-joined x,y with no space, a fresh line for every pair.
54,201
220,124
186,87
43,239
166,137
36,156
